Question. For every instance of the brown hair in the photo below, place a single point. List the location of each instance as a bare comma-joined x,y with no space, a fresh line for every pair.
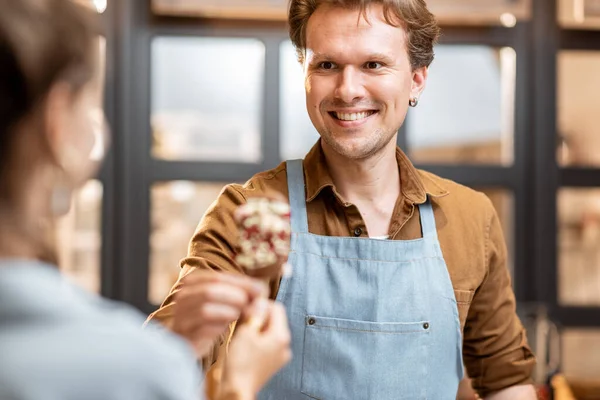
42,42
420,24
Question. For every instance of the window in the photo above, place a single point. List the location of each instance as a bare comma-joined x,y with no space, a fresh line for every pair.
204,107
579,253
465,117
578,128
298,134
177,208
78,236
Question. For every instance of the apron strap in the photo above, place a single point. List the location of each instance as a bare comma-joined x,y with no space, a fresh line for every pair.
427,220
295,178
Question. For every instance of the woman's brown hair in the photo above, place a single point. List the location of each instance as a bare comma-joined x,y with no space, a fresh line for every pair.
42,42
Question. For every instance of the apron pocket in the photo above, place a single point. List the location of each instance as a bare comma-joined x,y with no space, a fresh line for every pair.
347,359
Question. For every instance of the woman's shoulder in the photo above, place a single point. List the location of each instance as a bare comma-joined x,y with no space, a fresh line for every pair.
71,342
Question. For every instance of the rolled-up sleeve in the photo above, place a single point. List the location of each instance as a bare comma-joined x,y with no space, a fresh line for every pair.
211,248
495,348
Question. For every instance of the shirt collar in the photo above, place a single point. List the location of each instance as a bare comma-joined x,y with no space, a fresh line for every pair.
415,185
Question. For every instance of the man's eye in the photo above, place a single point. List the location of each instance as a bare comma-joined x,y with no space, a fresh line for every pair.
373,65
326,65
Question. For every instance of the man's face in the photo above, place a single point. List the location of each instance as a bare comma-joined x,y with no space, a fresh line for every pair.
358,79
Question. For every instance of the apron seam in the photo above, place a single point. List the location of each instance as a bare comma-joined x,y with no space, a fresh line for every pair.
412,260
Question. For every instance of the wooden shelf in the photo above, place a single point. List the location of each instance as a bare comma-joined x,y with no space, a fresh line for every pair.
468,12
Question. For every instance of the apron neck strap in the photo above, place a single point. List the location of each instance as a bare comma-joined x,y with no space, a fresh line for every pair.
297,194
427,218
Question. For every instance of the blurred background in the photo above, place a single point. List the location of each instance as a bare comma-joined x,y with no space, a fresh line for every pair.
200,93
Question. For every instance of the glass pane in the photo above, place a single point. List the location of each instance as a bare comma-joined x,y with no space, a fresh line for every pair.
580,355
177,207
79,237
298,134
207,99
466,114
579,14
244,9
579,252
579,131
503,202
492,12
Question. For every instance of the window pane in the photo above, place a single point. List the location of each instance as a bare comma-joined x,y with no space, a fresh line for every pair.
581,356
579,131
298,134
79,237
579,253
177,208
503,202
466,113
207,99
579,14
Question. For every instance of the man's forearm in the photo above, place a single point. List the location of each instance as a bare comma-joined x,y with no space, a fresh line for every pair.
523,392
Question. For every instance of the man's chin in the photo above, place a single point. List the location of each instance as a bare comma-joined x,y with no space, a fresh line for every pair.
352,151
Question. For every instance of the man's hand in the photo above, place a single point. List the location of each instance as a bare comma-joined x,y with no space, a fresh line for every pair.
207,302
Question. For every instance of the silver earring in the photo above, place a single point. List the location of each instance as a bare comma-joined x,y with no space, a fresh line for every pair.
413,102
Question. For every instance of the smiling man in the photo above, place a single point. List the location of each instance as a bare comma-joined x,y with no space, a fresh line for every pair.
399,276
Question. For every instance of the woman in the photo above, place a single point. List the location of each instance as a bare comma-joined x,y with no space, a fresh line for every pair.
57,341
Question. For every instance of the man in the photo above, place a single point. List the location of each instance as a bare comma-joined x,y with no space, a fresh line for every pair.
399,276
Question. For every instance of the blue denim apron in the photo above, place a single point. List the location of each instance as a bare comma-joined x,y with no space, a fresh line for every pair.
370,319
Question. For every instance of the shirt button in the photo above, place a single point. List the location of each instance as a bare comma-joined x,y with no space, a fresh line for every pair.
311,321
357,232
426,325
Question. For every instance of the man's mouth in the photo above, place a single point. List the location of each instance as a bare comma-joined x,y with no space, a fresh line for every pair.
342,116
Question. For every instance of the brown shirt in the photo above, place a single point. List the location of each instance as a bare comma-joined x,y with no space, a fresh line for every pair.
495,349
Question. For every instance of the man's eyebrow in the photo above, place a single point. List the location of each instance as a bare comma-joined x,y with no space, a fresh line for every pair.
320,57
380,57
383,57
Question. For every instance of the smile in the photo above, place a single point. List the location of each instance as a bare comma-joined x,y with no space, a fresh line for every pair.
351,116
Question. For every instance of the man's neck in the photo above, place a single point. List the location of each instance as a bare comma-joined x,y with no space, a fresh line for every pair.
365,181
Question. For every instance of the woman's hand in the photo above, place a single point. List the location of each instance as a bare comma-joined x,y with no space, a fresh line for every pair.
256,352
208,302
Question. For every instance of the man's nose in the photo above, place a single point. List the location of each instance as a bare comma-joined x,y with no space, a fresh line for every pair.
349,86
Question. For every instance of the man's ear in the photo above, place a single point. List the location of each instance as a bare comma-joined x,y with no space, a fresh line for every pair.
419,79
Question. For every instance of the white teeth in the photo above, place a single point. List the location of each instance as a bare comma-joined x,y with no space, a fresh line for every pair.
353,116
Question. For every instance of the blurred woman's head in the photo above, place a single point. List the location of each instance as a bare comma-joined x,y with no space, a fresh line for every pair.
49,109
